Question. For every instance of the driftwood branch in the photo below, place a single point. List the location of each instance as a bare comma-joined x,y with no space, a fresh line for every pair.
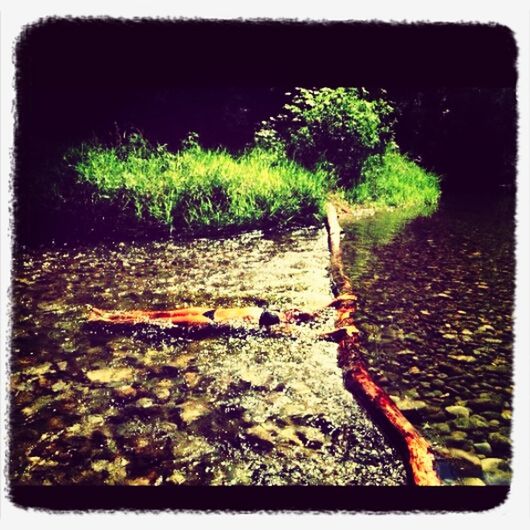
420,458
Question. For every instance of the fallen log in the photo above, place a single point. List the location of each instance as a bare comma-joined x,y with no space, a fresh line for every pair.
419,456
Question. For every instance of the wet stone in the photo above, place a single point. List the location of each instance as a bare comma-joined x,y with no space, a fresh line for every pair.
410,407
499,443
125,392
457,442
496,472
483,448
458,411
478,423
506,414
472,481
490,403
468,464
192,410
110,375
145,402
442,428
162,393
463,358
463,423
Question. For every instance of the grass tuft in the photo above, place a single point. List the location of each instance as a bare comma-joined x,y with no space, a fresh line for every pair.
198,188
391,179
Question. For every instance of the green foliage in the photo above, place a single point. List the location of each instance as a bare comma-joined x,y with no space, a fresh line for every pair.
391,179
198,188
343,138
329,128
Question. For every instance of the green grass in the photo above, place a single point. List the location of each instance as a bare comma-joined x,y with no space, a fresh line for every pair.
391,179
197,188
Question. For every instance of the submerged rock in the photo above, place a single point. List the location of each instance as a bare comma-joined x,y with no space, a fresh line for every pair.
192,409
458,411
413,409
499,443
483,448
463,358
472,481
496,471
478,423
262,435
491,464
466,462
177,477
162,393
110,375
490,403
125,391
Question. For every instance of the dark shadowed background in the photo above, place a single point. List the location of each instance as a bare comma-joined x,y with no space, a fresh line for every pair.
453,86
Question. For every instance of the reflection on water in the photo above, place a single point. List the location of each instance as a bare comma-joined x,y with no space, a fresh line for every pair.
376,231
248,407
436,299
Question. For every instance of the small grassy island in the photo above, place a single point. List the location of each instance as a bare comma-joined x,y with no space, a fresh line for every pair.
336,144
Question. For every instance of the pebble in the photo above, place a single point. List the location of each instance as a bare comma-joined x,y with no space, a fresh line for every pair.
125,391
463,358
490,403
483,448
192,409
499,443
443,428
407,404
463,423
458,439
458,411
145,402
491,464
413,409
108,375
478,422
472,481
506,414
469,463
493,472
162,393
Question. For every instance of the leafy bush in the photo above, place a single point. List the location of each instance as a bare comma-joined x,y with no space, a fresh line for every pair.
391,179
198,188
334,129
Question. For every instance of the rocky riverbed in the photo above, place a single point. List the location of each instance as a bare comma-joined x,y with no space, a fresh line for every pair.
124,407
436,300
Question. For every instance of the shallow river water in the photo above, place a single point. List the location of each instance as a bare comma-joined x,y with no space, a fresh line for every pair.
436,302
258,406
250,406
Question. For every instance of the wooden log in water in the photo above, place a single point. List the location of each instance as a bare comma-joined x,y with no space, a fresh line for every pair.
420,458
